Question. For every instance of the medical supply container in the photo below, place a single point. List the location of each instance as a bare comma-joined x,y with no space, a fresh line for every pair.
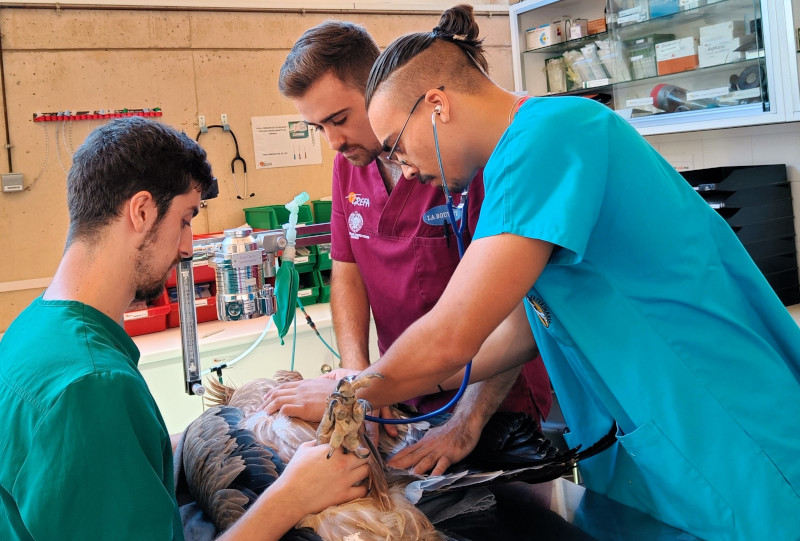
641,53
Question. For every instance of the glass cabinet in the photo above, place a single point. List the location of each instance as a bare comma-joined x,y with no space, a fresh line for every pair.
792,19
666,65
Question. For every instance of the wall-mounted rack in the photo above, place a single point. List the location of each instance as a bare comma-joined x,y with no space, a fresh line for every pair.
94,115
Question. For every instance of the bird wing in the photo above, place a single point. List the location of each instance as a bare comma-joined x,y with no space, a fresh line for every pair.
511,448
225,467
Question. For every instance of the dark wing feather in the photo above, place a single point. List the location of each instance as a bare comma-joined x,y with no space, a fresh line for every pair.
512,444
225,466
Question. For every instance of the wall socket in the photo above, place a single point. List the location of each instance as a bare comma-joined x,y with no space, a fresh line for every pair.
12,182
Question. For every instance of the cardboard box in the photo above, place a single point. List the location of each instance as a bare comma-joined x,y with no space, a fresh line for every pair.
660,8
677,65
596,26
676,48
636,14
720,51
560,27
677,55
725,30
579,29
543,36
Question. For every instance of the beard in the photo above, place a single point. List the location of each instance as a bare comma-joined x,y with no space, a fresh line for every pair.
455,185
151,283
362,155
458,185
150,292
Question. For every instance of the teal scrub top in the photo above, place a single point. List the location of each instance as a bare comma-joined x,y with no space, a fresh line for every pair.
650,313
85,452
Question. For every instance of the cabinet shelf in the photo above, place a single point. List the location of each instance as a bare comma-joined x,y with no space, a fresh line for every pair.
722,30
569,44
721,68
654,25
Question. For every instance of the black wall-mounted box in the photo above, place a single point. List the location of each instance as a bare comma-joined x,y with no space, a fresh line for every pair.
756,201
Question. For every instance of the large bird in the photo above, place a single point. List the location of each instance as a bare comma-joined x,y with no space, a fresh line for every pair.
234,451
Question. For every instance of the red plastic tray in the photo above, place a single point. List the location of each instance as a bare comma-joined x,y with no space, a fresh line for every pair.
202,273
151,319
206,309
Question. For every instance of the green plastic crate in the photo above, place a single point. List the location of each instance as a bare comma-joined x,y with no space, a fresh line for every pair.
324,256
303,215
308,290
261,218
322,211
305,260
325,285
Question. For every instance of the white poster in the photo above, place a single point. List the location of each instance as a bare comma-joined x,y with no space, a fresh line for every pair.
284,141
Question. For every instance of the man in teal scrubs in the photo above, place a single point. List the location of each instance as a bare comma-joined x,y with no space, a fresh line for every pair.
647,310
85,452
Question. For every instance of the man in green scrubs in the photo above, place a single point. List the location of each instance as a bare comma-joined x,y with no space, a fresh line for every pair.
85,452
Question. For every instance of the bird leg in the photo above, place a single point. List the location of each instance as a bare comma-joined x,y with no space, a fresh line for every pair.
344,415
326,426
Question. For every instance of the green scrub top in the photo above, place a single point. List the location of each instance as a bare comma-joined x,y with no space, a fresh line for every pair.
85,452
650,313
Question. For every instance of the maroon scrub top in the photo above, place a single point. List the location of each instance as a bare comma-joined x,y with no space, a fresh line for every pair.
406,256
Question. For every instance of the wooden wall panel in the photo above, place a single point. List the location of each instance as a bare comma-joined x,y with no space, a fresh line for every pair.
186,62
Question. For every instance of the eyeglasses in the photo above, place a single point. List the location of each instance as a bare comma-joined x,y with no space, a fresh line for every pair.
392,150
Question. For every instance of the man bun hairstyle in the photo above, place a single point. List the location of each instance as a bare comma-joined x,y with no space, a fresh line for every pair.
458,25
457,31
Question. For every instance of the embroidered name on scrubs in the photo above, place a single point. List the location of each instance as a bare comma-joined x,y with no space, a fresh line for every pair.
355,222
440,216
357,200
541,309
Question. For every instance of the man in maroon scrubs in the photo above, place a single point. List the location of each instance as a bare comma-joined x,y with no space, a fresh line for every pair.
392,250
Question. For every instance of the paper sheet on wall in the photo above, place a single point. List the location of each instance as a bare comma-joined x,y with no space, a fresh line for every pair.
284,141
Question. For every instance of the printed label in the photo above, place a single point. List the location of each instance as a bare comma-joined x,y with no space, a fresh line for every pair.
596,83
249,282
439,215
246,259
709,93
139,314
639,101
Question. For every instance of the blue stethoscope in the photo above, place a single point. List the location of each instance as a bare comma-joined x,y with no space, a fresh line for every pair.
459,231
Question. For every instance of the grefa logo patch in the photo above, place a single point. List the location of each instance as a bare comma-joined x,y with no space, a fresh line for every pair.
357,200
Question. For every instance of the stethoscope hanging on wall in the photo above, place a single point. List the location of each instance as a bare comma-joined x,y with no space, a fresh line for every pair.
236,158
